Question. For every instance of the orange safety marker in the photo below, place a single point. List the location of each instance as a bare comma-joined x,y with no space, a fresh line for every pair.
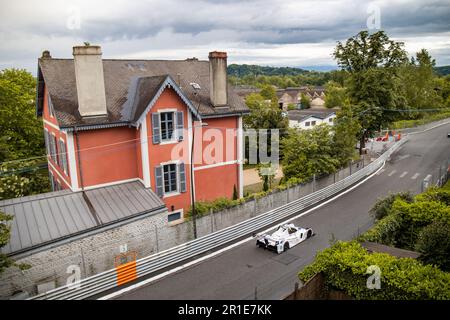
126,272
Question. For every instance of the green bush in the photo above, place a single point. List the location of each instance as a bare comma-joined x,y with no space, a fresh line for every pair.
345,264
434,244
403,219
418,122
383,206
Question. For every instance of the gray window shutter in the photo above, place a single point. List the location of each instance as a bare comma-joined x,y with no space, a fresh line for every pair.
156,130
180,125
159,181
182,173
47,147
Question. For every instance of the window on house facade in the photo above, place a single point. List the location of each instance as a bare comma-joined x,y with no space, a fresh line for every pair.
331,120
170,178
52,147
313,123
173,216
307,124
63,155
167,126
56,186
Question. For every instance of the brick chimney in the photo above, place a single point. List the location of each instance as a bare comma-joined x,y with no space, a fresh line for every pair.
90,81
218,78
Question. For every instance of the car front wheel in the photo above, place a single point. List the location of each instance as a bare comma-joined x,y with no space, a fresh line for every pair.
286,246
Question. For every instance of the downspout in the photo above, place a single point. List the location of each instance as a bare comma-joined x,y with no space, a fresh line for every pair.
80,171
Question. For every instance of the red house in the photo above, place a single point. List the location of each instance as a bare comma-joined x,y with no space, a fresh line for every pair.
110,121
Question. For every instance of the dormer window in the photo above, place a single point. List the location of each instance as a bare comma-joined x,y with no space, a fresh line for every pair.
50,107
167,126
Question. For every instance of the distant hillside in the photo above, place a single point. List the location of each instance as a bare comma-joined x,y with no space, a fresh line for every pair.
241,70
442,70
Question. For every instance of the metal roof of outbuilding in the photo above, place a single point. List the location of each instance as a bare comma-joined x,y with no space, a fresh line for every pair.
49,218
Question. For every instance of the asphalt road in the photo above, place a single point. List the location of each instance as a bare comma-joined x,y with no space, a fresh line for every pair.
246,272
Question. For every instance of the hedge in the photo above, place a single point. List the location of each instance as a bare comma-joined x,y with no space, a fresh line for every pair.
402,124
345,264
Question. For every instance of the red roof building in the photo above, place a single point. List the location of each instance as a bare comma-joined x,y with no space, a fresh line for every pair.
108,122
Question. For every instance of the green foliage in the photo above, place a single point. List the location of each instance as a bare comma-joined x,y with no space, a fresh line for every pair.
235,193
345,264
336,95
5,262
401,124
20,130
258,76
418,83
373,85
266,172
264,111
21,137
308,152
383,206
402,220
291,106
18,179
305,101
205,207
434,244
346,128
241,70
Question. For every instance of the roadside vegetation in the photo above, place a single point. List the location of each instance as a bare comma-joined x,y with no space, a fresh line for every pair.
420,223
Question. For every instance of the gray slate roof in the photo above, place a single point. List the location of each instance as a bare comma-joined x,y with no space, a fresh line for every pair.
47,218
300,115
59,77
393,251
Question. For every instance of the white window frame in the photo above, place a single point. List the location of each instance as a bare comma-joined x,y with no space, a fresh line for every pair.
177,221
177,174
174,119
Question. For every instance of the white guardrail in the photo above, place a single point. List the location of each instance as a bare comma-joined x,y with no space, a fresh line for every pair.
109,279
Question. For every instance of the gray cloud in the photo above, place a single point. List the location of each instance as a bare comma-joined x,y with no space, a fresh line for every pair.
266,31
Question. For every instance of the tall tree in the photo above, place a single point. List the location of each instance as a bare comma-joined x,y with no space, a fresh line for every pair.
21,137
265,115
346,128
372,62
420,83
335,95
308,152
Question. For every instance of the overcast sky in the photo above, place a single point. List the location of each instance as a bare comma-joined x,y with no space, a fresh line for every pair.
265,32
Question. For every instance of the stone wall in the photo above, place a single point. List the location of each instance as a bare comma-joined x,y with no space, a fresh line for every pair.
93,254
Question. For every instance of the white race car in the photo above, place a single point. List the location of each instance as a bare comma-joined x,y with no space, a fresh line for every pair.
286,236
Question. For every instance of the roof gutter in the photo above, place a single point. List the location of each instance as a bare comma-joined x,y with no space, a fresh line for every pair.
96,126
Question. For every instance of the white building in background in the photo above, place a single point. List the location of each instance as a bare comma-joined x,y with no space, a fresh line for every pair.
307,119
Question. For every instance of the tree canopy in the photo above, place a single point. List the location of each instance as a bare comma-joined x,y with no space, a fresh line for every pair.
21,137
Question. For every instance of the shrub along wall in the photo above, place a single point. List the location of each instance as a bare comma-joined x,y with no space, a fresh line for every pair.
345,264
403,221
